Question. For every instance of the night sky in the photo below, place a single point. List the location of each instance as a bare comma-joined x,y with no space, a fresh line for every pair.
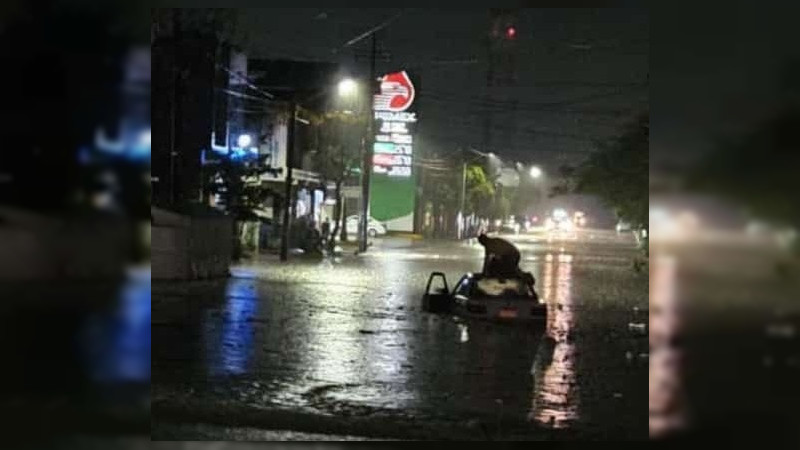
581,73
718,71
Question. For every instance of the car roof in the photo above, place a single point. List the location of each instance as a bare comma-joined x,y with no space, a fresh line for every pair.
490,284
356,216
480,276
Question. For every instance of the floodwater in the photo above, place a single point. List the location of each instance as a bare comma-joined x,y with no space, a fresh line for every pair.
343,347
76,357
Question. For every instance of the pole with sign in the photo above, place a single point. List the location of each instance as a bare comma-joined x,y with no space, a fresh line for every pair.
393,187
365,174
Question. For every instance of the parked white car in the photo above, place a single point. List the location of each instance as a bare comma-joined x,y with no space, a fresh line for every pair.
623,226
374,228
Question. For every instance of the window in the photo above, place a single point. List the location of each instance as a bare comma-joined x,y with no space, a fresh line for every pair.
492,287
463,287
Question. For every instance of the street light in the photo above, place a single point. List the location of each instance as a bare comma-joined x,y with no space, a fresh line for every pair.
347,87
244,140
536,172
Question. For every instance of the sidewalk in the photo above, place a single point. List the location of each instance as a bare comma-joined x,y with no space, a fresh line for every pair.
393,241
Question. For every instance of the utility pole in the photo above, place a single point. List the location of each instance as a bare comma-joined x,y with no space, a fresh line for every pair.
370,137
462,212
368,144
172,138
287,197
176,79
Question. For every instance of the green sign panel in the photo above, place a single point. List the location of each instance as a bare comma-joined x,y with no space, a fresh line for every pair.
393,182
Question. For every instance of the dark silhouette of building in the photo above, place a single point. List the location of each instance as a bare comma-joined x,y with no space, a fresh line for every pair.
190,57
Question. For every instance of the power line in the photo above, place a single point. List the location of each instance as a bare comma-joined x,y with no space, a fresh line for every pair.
247,82
526,123
534,135
472,126
515,104
242,95
372,30
483,107
585,84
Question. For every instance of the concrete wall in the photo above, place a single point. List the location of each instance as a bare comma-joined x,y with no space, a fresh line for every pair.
190,248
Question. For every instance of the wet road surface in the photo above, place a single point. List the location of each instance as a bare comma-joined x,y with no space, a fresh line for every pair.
725,351
76,357
343,347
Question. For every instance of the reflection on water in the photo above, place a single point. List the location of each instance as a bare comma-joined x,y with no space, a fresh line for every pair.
547,290
117,344
351,340
667,413
354,344
229,336
464,338
556,402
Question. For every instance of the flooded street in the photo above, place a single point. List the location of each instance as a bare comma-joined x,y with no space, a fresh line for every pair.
76,357
343,347
725,352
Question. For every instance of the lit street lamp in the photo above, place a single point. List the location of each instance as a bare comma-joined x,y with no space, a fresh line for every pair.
348,95
347,87
244,140
536,172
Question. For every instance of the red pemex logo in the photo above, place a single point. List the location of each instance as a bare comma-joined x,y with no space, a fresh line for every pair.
397,92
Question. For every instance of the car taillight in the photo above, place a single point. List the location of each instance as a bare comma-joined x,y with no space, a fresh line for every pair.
477,309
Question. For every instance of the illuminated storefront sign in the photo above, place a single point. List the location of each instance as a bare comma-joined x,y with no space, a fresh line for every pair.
394,125
393,185
392,160
397,92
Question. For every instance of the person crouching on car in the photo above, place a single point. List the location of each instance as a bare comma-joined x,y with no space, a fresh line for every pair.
501,257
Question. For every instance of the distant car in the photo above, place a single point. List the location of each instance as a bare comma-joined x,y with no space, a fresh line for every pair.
510,227
479,297
374,228
558,225
496,225
623,226
579,219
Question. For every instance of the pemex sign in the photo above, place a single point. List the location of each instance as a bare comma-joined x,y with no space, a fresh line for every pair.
393,183
396,93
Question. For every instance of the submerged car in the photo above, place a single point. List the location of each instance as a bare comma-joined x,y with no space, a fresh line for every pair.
481,297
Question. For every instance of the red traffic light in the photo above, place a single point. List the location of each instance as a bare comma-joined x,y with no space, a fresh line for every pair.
511,32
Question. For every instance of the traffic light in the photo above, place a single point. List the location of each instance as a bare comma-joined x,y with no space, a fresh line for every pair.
511,32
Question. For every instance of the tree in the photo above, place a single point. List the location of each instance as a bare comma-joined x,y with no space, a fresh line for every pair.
618,173
502,204
338,153
236,182
759,170
525,196
480,192
444,197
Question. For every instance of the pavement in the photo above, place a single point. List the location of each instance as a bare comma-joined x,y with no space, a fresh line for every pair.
340,347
